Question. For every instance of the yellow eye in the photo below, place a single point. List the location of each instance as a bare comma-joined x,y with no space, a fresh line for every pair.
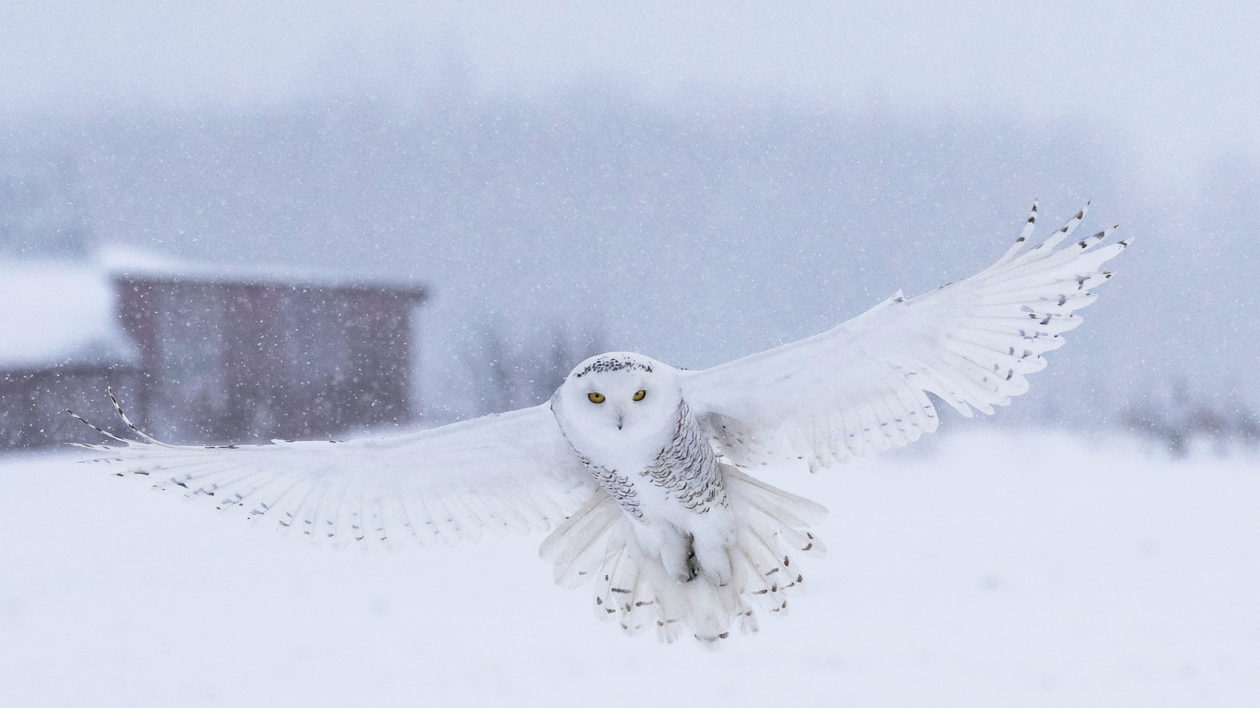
638,395
595,396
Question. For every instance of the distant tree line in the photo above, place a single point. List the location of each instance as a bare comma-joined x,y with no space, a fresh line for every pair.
514,372
1178,419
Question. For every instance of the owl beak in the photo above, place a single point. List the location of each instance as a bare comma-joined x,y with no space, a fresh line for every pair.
621,417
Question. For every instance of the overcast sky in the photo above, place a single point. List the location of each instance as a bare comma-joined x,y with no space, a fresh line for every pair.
870,123
1179,79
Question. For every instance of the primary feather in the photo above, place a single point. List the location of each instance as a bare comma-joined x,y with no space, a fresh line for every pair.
861,387
500,473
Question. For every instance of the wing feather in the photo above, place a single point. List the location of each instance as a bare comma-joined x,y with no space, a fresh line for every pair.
506,472
861,387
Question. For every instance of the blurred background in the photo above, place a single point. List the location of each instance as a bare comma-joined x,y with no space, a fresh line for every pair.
304,218
495,191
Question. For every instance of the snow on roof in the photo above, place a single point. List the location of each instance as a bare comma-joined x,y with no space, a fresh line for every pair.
125,262
57,313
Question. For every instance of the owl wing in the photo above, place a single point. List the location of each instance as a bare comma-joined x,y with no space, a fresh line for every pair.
505,472
861,387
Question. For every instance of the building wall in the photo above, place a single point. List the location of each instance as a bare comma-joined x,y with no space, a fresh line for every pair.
33,404
240,362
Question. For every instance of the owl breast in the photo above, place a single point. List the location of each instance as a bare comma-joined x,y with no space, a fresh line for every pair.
680,478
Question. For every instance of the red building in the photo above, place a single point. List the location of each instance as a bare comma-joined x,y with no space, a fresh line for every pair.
237,355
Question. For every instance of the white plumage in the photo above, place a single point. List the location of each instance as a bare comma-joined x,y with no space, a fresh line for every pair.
636,466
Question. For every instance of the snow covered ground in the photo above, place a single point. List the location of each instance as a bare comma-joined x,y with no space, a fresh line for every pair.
990,568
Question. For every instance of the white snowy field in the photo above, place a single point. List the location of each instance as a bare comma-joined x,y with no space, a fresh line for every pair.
990,568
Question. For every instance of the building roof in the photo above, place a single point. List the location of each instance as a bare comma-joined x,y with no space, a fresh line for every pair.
59,314
64,313
131,264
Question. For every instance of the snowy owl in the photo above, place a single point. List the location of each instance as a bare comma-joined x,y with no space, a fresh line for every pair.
638,468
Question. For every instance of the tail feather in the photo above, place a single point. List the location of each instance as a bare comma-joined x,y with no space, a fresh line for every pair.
605,604
579,545
640,607
633,587
623,580
776,569
765,594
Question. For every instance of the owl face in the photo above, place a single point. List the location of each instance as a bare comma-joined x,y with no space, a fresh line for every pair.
615,400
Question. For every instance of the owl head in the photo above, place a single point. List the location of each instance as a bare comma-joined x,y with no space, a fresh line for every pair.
615,399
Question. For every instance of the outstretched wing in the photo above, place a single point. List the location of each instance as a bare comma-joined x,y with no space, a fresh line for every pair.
506,472
861,387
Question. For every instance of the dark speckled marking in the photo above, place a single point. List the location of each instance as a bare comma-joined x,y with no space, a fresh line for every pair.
610,363
686,468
